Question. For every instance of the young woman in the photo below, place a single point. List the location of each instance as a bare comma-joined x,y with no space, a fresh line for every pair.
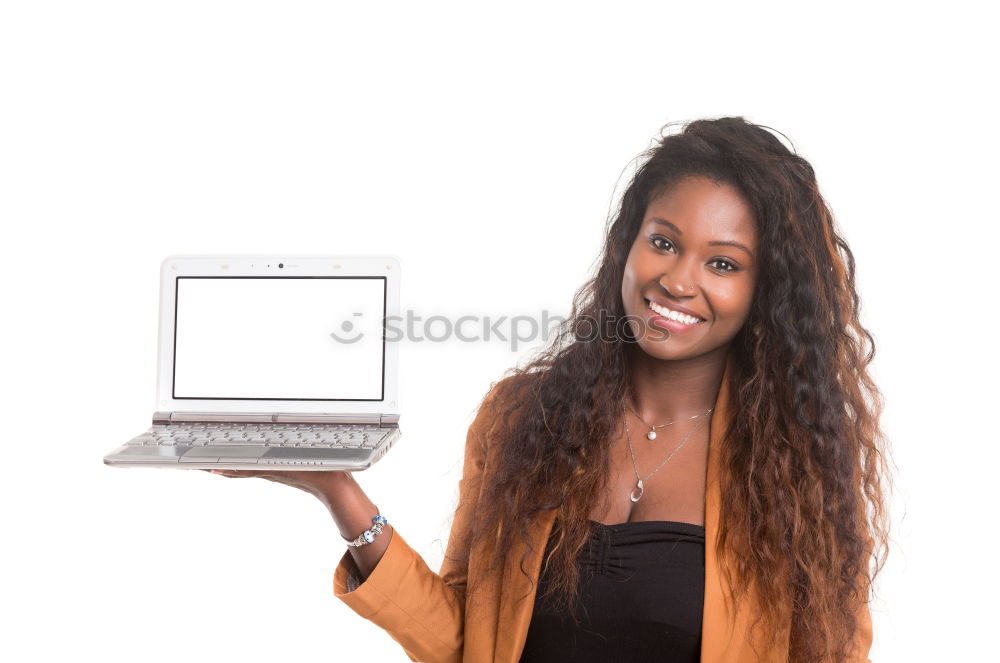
692,471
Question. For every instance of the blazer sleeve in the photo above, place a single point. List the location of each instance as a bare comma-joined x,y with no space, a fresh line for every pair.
863,636
421,610
862,644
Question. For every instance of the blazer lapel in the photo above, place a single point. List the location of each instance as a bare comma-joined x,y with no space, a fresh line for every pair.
716,626
725,634
517,594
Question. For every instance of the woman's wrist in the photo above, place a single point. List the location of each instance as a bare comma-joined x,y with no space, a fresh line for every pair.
350,507
337,487
352,511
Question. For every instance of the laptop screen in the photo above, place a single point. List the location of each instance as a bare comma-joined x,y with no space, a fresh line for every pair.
280,338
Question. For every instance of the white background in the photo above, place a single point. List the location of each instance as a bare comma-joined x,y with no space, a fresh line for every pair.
481,144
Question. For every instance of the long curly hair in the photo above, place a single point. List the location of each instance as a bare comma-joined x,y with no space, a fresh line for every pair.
804,478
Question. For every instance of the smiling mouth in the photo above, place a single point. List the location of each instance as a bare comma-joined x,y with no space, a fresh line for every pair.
672,315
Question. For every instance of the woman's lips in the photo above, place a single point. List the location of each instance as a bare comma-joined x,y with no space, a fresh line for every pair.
668,324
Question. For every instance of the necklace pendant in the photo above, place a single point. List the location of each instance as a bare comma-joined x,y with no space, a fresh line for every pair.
651,435
638,488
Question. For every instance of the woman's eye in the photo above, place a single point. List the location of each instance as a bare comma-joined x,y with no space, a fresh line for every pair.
732,267
654,240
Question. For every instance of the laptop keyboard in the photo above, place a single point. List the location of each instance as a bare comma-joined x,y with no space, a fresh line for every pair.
326,436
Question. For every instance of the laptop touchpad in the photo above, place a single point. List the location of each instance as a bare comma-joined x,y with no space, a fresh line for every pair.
228,452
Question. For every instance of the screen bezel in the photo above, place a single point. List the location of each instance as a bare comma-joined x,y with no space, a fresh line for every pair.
267,265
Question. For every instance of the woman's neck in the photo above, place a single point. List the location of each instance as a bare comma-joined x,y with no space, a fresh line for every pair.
674,390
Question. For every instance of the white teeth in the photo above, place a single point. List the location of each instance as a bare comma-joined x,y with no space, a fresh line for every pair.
673,315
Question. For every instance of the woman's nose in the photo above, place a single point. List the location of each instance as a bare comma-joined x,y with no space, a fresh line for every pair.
677,284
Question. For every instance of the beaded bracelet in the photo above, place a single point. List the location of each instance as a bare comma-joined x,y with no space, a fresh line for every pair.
368,536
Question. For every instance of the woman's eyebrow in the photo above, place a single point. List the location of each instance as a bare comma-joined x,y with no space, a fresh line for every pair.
717,242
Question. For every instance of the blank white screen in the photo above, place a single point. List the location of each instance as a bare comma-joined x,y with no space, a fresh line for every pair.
270,338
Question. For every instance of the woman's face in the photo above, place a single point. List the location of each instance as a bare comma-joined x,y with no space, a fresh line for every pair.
695,253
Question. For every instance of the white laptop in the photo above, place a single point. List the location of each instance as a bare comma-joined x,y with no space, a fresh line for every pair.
268,361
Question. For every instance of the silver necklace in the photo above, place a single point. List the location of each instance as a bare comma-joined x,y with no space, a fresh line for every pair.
651,435
639,483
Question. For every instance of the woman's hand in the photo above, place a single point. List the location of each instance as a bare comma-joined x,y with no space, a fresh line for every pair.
321,484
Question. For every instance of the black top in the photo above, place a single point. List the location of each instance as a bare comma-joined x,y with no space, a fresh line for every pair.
642,590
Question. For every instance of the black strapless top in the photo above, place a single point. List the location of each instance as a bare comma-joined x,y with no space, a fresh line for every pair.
642,591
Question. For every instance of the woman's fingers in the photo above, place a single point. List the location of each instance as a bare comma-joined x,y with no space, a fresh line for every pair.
314,483
234,473
240,474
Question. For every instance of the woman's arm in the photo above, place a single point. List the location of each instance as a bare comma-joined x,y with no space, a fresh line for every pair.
421,610
353,511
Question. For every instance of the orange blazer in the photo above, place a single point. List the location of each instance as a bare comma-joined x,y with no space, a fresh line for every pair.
458,616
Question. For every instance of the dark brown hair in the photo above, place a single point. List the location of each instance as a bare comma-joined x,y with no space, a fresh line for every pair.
803,461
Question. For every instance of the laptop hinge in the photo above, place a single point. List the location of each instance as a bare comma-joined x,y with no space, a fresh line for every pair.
382,420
